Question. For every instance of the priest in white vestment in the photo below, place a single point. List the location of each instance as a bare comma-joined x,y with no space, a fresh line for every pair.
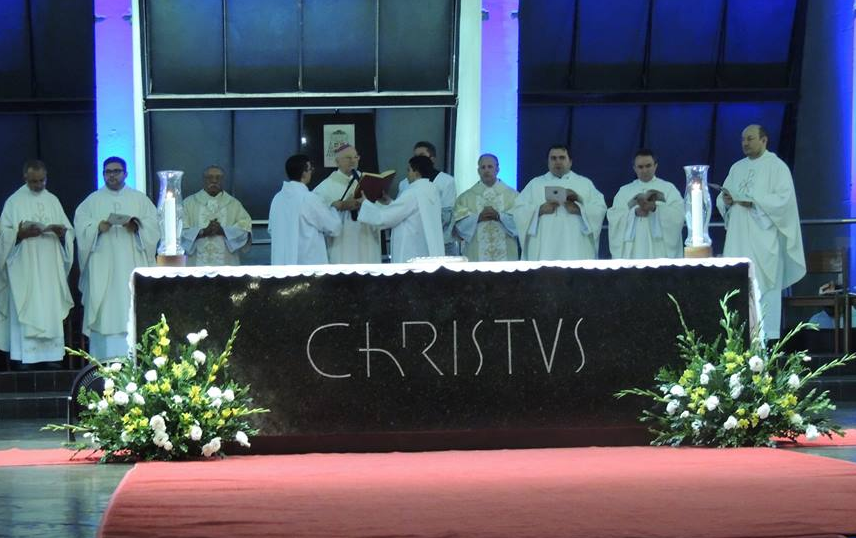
414,217
759,207
483,216
445,185
646,219
36,253
358,242
553,230
299,219
216,228
117,230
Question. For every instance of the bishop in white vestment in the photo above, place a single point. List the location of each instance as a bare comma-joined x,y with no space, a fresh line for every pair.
216,228
36,253
646,219
559,231
759,207
109,250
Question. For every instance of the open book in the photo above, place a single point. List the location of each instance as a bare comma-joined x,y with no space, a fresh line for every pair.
373,186
556,194
116,219
38,225
736,196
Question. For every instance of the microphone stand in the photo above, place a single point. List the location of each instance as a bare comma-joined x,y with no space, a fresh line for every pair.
354,177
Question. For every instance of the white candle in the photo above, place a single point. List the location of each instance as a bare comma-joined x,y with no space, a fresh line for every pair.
169,225
697,210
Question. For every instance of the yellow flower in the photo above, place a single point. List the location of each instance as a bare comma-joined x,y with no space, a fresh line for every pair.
226,413
136,411
142,423
741,412
215,368
730,356
177,370
212,378
164,341
755,420
125,418
130,427
195,391
186,417
157,351
163,330
221,422
730,367
702,409
756,379
207,415
739,360
165,386
151,388
743,423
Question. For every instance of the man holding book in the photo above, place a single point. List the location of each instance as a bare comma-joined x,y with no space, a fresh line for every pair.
646,219
117,231
566,226
36,253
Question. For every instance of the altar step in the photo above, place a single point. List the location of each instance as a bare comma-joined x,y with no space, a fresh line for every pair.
35,394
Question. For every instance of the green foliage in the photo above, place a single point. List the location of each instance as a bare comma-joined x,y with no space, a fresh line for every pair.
731,394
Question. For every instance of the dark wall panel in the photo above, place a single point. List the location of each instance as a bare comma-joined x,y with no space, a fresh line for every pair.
67,145
679,135
414,46
63,48
15,71
611,44
544,63
684,43
758,39
732,118
339,45
538,129
399,128
18,142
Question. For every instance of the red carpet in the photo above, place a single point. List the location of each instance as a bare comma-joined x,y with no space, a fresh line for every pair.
577,492
15,457
849,439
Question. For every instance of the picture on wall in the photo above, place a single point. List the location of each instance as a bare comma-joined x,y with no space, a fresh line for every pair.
336,136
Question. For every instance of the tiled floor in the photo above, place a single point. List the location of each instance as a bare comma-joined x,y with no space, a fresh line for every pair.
69,500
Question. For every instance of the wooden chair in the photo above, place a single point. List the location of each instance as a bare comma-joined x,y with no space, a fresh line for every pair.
831,265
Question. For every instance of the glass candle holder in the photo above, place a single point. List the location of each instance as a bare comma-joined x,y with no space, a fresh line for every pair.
697,206
170,212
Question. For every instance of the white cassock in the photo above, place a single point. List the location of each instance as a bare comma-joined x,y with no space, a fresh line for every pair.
560,235
768,233
657,235
489,240
445,185
107,261
200,209
297,224
358,243
34,293
415,220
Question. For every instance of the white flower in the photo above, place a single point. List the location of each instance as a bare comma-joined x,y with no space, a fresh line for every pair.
734,380
794,382
711,403
87,435
229,395
677,390
193,338
756,364
216,402
707,368
160,437
203,334
138,399
102,405
685,414
763,411
672,407
195,433
730,423
198,356
811,432
157,423
212,446
736,391
109,384
91,406
214,393
807,358
151,376
796,419
215,444
696,425
131,387
159,362
242,440
167,446
120,398
177,399
704,379
116,367
125,436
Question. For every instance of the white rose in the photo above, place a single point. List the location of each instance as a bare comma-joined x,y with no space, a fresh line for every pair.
125,437
207,451
131,387
138,399
672,407
177,399
214,393
157,423
242,440
216,402
87,435
193,338
195,433
763,411
685,414
707,368
228,395
756,364
711,403
704,379
203,334
160,437
116,367
167,446
215,444
730,423
734,380
807,358
794,382
677,390
120,398
109,384
796,419
151,376
198,356
811,432
91,406
102,405
736,391
159,362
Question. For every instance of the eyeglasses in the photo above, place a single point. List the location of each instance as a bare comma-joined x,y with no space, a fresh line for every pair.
113,171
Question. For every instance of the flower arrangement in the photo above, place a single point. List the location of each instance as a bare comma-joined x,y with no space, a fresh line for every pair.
176,401
731,394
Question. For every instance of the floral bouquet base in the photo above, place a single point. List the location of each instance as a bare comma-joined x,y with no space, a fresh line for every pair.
175,402
731,394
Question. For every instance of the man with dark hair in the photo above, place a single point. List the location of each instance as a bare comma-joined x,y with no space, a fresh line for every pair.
567,225
646,219
414,216
762,222
216,227
299,219
117,231
445,185
36,253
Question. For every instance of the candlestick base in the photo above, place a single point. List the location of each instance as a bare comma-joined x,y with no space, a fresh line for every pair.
698,252
168,260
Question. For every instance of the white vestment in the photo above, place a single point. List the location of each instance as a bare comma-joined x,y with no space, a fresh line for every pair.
445,185
768,233
560,235
34,293
199,210
358,242
415,221
107,261
297,224
488,240
657,235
